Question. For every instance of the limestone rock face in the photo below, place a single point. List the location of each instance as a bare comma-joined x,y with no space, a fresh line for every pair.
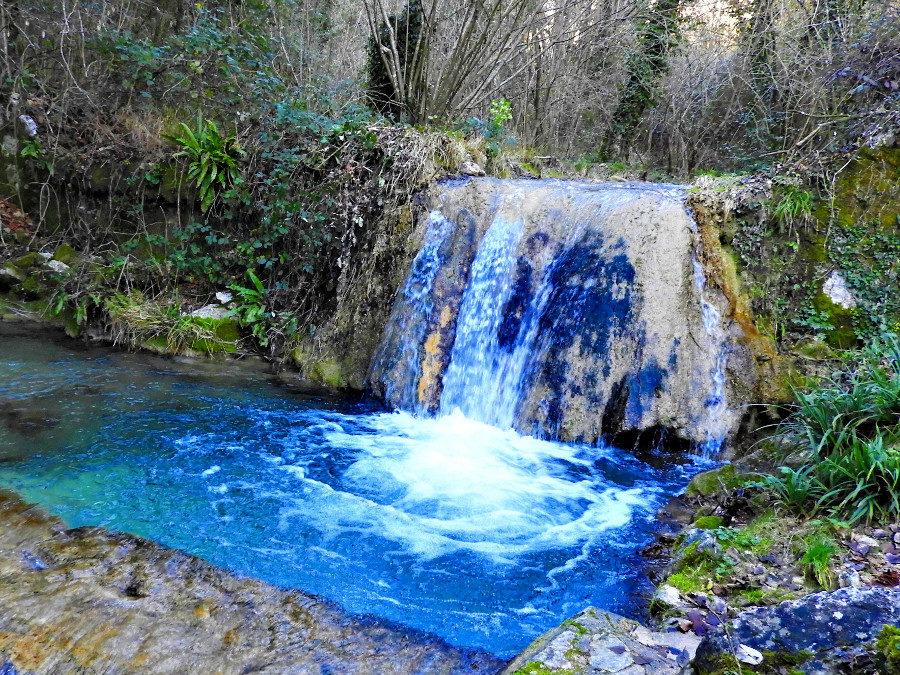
599,642
92,601
570,310
830,627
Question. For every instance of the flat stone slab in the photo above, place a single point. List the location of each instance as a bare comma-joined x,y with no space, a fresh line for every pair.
88,600
596,642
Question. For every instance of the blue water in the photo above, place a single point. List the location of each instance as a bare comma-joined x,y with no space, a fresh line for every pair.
480,535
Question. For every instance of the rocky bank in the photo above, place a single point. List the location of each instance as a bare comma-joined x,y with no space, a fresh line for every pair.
93,601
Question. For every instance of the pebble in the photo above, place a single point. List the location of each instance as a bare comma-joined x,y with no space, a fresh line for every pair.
748,655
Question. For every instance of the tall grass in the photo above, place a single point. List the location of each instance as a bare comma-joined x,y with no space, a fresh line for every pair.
848,433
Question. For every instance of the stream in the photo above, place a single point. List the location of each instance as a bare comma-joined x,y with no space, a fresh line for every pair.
482,536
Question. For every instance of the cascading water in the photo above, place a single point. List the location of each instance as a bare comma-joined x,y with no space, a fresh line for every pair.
716,403
416,295
480,380
568,311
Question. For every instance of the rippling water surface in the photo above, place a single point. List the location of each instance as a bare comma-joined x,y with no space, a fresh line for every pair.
480,535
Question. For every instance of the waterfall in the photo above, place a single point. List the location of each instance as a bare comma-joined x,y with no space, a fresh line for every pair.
561,309
408,329
716,404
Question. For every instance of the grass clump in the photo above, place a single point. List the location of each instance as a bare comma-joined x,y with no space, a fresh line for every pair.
135,321
817,558
847,434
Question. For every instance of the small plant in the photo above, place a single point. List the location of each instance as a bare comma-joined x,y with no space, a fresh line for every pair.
214,158
34,149
793,488
820,551
728,536
888,648
251,310
794,206
848,432
500,112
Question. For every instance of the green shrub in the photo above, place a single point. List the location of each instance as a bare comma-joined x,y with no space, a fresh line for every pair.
848,432
888,648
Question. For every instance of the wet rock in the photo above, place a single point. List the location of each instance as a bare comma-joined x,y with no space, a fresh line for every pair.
748,655
596,285
93,601
823,630
601,642
835,287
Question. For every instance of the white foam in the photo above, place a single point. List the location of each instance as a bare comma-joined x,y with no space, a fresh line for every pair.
438,486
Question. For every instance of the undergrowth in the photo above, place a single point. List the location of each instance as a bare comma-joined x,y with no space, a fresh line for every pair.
845,436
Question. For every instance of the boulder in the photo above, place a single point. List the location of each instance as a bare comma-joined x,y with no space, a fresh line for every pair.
597,642
573,311
819,632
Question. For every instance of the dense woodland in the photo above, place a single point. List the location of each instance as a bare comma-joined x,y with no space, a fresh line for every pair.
282,130
679,84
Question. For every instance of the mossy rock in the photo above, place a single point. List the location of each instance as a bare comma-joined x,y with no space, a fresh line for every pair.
709,482
66,254
34,289
708,523
328,372
842,334
30,261
815,350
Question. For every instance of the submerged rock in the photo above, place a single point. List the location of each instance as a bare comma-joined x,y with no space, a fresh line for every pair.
820,632
601,642
89,600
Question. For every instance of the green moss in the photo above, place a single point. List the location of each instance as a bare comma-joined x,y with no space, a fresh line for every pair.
329,373
780,661
538,668
688,583
709,482
708,522
34,288
761,596
841,335
571,623
773,663
66,254
723,664
888,648
30,261
815,349
157,344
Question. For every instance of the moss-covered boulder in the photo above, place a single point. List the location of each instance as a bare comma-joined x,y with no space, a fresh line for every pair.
823,631
708,483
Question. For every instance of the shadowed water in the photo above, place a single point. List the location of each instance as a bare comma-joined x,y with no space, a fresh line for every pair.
480,535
